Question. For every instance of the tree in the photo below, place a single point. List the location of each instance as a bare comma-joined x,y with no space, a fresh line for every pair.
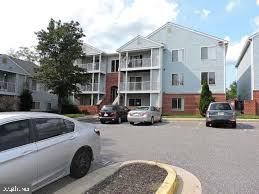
205,99
26,100
231,93
59,46
25,53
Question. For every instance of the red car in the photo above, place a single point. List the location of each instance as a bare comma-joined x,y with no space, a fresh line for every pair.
113,114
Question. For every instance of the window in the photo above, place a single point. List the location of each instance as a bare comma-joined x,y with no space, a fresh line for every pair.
177,79
47,128
115,65
134,102
35,105
178,55
208,52
34,85
208,77
14,134
49,106
177,104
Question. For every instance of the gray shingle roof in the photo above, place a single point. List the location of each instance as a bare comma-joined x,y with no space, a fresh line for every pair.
26,65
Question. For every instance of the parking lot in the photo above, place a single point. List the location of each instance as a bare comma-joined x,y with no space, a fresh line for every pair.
225,160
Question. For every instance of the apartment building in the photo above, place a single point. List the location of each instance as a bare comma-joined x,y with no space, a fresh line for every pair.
15,74
248,74
165,69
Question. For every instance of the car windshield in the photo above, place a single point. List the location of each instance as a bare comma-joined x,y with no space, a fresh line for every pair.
108,108
220,106
142,108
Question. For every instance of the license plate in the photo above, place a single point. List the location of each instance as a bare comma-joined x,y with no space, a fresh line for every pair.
136,114
221,113
105,114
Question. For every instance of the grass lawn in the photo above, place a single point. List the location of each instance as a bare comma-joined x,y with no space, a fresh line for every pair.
248,116
74,115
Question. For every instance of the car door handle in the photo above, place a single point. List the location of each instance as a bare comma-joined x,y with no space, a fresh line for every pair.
27,152
72,137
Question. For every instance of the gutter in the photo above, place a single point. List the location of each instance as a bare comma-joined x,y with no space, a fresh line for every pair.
248,42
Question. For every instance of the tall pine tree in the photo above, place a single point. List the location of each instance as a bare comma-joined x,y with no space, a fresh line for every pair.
205,98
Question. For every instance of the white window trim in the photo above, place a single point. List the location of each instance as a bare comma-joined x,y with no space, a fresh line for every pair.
210,46
177,49
178,73
182,103
115,65
39,105
208,77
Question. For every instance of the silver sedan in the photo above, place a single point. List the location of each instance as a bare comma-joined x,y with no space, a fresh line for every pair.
144,114
39,148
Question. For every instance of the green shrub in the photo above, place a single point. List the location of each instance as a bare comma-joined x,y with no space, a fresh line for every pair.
26,100
205,99
70,109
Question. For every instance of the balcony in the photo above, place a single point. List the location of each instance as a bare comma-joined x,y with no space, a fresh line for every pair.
7,87
91,88
90,66
139,86
137,63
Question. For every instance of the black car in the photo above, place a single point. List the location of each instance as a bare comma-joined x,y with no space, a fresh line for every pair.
113,113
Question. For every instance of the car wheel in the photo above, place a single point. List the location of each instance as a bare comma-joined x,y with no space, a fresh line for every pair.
103,122
81,163
207,124
132,123
152,121
234,125
119,120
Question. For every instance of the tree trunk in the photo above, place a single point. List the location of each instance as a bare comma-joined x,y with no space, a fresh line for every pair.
60,104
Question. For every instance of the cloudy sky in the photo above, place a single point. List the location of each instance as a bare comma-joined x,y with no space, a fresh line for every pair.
110,23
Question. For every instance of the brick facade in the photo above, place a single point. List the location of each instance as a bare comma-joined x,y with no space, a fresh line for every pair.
249,107
111,80
191,102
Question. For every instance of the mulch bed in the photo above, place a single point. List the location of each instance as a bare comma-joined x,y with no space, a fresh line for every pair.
133,178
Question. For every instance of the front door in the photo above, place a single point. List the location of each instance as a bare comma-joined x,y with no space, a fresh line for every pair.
114,93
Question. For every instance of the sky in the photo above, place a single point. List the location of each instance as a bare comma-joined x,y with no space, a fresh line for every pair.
108,24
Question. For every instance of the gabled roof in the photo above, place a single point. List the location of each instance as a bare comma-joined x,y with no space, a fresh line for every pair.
27,66
90,50
246,46
185,28
138,43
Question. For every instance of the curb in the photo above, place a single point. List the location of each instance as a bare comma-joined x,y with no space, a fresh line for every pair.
178,180
169,185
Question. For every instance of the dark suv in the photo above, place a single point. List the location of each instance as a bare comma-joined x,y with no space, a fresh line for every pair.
113,113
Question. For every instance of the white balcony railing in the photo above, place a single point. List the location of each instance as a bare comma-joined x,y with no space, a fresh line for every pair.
90,66
139,86
137,63
91,87
7,86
